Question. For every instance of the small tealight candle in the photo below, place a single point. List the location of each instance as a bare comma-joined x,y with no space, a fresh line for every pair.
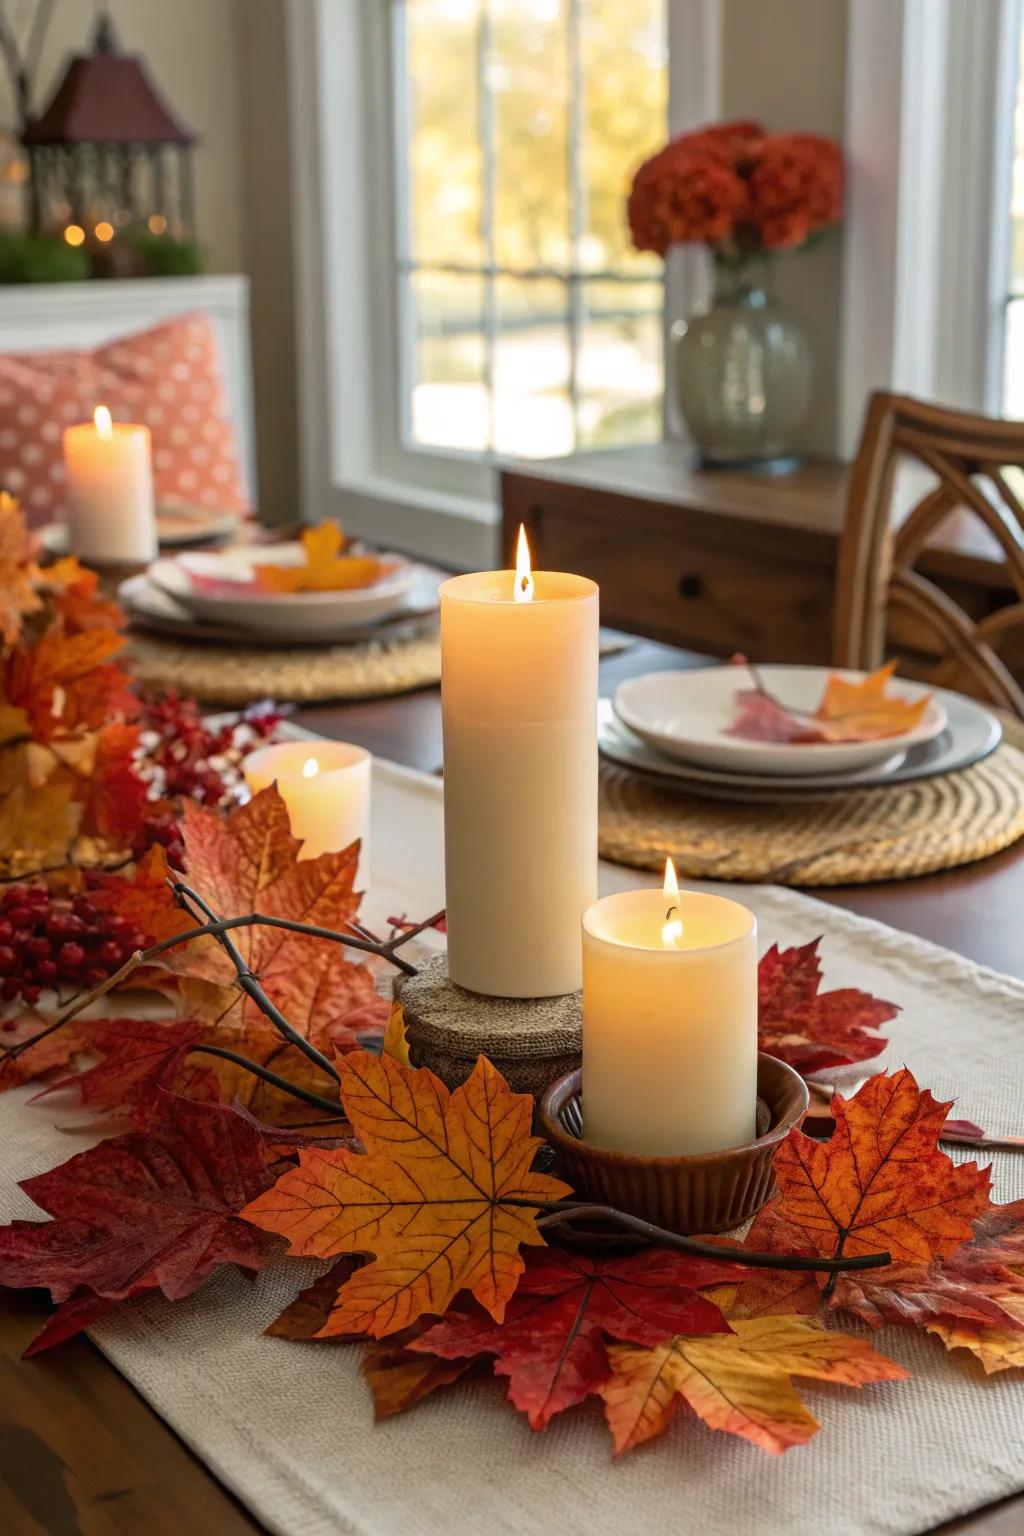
326,787
110,505
669,1022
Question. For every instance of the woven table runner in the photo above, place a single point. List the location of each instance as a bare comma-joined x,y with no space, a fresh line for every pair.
221,675
885,833
289,1427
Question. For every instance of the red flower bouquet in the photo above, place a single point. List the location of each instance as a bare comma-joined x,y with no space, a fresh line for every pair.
738,190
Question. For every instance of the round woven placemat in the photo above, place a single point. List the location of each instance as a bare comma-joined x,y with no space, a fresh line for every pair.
217,674
883,833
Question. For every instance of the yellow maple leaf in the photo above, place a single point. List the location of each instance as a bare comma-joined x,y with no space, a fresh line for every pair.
739,1382
864,711
324,567
396,1042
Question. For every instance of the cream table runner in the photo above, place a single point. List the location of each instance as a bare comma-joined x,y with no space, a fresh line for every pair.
289,1428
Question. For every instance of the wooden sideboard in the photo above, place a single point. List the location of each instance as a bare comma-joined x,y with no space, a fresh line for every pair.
719,560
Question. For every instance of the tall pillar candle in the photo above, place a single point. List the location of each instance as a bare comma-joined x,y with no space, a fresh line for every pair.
110,506
519,700
669,1023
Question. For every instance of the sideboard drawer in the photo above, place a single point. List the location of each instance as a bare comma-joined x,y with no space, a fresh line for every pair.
730,587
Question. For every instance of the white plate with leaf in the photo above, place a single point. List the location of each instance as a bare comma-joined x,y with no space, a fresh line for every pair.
786,720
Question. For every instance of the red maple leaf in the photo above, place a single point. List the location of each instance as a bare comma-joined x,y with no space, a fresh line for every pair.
808,1028
551,1345
140,1211
67,683
759,717
139,1056
116,798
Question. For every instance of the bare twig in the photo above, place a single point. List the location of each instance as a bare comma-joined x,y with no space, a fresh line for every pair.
331,1106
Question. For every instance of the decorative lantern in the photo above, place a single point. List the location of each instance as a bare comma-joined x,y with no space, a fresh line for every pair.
107,154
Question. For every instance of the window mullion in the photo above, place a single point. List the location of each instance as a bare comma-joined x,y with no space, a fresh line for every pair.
488,155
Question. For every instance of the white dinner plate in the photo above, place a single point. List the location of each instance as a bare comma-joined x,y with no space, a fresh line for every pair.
688,715
972,732
189,579
149,607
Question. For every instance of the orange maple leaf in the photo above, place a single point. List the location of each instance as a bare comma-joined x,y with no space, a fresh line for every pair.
881,1184
864,711
441,1197
18,570
246,862
144,897
66,683
73,592
324,568
738,1382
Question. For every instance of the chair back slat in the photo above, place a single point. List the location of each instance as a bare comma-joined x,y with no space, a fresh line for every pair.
968,458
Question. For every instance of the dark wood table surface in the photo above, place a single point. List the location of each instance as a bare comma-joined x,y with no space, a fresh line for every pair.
80,1452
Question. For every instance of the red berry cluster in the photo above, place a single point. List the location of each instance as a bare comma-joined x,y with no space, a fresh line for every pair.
54,941
189,759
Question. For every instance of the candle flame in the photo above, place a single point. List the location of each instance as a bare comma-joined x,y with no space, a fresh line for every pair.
104,425
310,768
523,588
672,928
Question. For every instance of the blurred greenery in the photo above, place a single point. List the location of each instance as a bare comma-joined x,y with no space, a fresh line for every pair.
28,258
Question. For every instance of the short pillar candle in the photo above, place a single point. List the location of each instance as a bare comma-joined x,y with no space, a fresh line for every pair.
110,504
669,1023
519,656
326,787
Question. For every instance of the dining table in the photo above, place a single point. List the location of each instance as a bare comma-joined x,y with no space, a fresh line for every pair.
81,1453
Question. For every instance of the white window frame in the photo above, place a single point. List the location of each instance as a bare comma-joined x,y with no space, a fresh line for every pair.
930,88
345,136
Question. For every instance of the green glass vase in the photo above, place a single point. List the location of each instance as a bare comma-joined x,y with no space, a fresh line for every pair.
742,371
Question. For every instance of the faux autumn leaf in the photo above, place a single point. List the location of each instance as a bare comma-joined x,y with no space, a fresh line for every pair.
137,1057
761,717
973,1299
115,799
144,897
435,1197
865,711
551,1345
739,1382
144,1210
324,568
66,683
18,570
303,1318
880,1183
52,1052
396,1043
808,1028
37,827
399,1378
248,861
74,597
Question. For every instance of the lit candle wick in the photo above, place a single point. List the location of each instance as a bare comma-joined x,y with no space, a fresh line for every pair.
672,928
310,768
523,587
101,419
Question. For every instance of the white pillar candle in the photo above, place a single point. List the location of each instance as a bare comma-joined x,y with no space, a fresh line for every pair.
669,1023
326,787
110,508
519,699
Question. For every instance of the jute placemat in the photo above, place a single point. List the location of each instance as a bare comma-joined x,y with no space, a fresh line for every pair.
217,674
884,833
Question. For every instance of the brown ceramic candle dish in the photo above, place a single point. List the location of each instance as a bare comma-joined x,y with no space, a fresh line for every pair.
707,1192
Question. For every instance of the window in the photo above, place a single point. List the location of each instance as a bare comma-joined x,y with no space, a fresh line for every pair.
1013,338
527,324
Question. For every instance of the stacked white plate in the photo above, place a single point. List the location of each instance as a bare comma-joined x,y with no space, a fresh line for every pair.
211,596
676,726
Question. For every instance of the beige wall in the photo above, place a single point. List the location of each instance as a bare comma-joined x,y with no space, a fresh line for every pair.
784,62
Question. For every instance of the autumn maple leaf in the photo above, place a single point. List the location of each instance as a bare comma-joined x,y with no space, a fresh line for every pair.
138,1056
157,1209
880,1184
808,1028
73,594
552,1343
739,1382
864,711
973,1299
144,897
442,1196
115,799
324,568
246,862
67,683
52,1051
18,571
399,1378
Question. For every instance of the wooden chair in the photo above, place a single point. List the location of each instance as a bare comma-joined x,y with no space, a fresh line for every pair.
877,586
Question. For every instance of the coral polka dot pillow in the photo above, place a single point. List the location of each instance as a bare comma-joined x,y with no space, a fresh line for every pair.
167,377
